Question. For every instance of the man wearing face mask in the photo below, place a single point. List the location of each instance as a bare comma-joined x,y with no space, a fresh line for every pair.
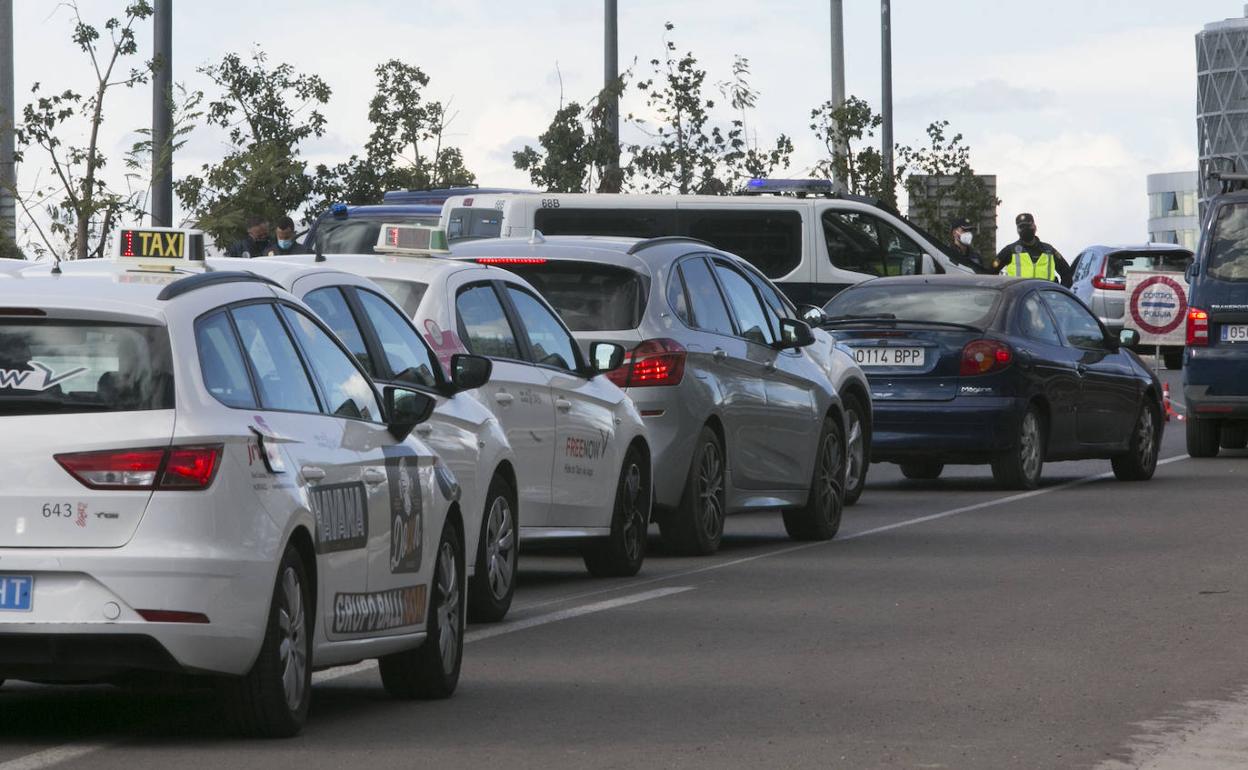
962,234
286,243
255,243
1030,257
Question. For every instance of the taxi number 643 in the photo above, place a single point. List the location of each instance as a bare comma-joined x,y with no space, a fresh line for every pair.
58,510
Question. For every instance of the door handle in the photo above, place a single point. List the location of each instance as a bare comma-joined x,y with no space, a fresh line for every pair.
373,476
312,473
424,429
563,405
504,399
1081,369
719,354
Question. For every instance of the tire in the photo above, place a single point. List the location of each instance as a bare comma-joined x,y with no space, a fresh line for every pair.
857,448
622,554
1173,359
1140,460
820,518
696,527
492,588
431,671
1020,466
922,470
1203,437
271,700
1233,437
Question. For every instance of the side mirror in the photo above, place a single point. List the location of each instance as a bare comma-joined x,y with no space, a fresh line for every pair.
1128,338
812,315
1190,272
605,357
405,409
469,372
794,334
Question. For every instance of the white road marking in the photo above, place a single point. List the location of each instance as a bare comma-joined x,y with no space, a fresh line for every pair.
1203,735
53,756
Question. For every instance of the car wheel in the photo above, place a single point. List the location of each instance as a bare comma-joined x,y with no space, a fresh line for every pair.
922,470
492,587
1173,359
1203,437
1234,437
857,449
431,670
623,552
271,700
820,518
1019,467
1140,460
696,527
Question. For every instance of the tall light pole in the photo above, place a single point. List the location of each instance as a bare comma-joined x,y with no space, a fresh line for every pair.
8,124
886,96
837,30
162,115
610,74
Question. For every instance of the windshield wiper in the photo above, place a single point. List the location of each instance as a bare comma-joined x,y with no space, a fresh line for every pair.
889,318
861,317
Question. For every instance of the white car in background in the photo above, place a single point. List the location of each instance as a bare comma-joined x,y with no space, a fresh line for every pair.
583,464
465,434
202,480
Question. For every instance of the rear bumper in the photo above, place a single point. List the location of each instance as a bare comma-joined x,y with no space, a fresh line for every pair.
1208,373
1204,406
965,429
672,426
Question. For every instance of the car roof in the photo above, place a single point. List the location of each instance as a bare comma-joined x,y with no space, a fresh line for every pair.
604,249
398,267
966,280
379,210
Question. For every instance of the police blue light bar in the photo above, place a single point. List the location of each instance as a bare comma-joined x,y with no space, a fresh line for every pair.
792,186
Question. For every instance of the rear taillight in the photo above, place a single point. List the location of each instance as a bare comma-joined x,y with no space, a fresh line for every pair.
653,362
1197,327
984,357
185,468
1113,284
172,616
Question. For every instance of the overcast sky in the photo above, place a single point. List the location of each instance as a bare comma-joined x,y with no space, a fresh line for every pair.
1071,103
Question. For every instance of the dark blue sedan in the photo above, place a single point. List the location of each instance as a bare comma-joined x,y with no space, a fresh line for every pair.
1004,371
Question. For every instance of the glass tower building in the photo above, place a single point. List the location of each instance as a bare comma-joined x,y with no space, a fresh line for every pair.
1221,97
1172,213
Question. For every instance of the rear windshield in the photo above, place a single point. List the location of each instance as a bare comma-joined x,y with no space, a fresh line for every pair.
951,304
1228,245
590,297
359,236
407,293
468,224
1122,262
67,367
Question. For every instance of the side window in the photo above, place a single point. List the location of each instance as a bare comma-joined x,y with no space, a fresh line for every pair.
345,387
485,326
709,312
773,301
768,239
280,376
676,296
853,243
755,326
902,256
409,358
1035,321
331,307
1076,324
221,362
550,342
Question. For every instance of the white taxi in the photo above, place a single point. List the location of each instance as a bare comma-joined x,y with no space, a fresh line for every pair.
583,468
465,435
202,480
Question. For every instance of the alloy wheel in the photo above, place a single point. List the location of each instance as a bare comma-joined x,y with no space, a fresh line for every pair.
855,454
1146,435
831,473
500,547
634,514
710,488
448,608
292,650
1029,444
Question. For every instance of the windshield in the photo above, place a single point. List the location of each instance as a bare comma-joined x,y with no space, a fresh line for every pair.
359,236
1228,246
407,293
589,296
64,366
1123,262
971,305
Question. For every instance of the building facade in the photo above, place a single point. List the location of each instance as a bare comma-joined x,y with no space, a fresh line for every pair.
1221,98
1173,216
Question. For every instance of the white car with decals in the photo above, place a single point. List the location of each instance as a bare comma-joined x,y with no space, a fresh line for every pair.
465,434
202,480
582,455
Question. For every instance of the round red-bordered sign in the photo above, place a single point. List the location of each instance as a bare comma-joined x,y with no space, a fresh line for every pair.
1165,325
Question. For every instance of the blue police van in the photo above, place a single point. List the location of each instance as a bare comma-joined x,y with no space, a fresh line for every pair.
1215,385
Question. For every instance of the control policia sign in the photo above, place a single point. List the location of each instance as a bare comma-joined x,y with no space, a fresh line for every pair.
1156,307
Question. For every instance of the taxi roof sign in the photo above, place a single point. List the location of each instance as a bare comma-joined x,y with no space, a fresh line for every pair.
159,247
412,240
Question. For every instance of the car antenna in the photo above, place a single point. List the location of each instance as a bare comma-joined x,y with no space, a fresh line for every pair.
320,255
56,263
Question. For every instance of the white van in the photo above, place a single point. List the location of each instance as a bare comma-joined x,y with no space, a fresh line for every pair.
811,246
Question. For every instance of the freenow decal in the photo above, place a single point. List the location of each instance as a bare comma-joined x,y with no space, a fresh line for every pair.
341,512
407,520
581,455
38,377
365,613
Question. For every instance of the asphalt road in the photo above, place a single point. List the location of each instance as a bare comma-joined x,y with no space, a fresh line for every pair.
1092,622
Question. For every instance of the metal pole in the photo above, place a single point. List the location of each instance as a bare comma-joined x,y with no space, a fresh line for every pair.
837,29
610,73
162,115
886,96
8,120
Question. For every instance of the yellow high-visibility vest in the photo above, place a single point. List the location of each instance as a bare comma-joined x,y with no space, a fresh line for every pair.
1022,265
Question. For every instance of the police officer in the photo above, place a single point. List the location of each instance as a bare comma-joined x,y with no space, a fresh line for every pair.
962,233
1030,257
254,243
286,243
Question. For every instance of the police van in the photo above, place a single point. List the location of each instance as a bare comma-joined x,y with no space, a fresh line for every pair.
805,237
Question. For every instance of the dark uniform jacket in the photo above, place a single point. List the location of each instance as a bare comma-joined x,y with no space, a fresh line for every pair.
1037,247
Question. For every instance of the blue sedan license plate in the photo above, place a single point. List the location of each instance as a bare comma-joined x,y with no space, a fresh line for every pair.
16,592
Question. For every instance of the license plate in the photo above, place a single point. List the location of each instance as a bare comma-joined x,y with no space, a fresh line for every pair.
1235,333
889,356
16,592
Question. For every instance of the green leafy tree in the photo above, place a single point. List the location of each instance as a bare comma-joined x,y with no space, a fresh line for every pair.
956,190
80,206
267,112
742,157
847,133
577,148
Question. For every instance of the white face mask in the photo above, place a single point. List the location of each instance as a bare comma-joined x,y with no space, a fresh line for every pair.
966,237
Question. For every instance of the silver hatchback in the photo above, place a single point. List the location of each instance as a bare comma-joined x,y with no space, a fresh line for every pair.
740,415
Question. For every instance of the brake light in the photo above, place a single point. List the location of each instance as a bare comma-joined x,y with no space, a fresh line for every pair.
1101,282
652,363
511,261
172,616
185,468
1197,327
984,357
